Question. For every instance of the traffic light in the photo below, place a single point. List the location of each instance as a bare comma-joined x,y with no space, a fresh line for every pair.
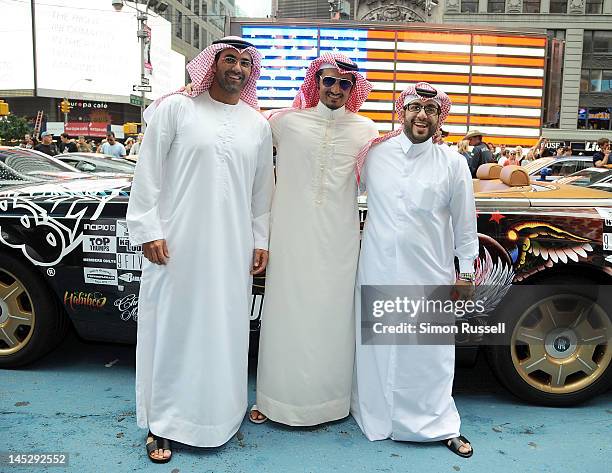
130,128
4,108
65,106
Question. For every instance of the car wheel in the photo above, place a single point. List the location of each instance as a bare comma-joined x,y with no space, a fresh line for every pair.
560,352
31,322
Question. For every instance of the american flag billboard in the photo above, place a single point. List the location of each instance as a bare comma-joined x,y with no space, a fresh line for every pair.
495,80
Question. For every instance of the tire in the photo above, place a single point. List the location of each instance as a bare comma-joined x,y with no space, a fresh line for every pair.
31,320
532,367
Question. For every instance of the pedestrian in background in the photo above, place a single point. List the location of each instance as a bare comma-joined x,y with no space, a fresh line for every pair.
513,159
136,146
112,147
480,151
47,145
83,146
463,148
601,157
66,145
128,144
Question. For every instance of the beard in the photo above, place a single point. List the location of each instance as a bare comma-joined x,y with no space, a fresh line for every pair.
229,85
420,134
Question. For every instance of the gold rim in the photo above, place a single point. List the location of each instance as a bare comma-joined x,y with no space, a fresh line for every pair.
561,344
17,316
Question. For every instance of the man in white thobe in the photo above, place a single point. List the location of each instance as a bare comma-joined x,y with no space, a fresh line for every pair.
200,206
306,347
421,215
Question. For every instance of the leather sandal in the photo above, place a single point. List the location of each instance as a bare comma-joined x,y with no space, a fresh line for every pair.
158,443
455,443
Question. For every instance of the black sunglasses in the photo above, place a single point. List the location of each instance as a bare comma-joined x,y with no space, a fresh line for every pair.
329,81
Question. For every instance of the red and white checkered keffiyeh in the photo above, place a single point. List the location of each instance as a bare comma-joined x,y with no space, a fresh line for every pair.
202,75
308,95
407,96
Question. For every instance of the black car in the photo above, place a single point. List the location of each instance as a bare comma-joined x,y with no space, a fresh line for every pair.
66,259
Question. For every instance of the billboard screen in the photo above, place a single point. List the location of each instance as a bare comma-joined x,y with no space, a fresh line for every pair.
89,48
16,60
495,80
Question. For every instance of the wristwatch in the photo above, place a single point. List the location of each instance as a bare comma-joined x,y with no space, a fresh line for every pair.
470,277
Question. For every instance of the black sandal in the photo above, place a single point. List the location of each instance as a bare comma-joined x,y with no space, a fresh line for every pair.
158,443
455,443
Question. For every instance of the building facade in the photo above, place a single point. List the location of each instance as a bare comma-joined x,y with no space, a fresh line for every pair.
196,23
578,101
585,27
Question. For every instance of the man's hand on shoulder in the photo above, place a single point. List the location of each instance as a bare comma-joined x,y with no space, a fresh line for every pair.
260,261
156,251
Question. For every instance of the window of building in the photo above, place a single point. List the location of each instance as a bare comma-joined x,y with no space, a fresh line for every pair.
167,14
602,42
587,42
596,80
585,81
188,4
606,80
531,6
204,10
187,36
594,7
469,6
179,25
196,7
558,6
496,6
196,36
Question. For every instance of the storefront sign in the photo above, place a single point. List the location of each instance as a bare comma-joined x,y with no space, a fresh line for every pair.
86,128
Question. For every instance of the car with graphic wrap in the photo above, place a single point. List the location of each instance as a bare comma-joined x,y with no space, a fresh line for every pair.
66,260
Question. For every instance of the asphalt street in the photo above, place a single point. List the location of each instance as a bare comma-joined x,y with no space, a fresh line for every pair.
80,400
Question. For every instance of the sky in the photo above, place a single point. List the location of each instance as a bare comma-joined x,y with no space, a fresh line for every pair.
254,8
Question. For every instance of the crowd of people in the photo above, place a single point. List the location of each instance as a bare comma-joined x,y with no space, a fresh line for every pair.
109,145
484,152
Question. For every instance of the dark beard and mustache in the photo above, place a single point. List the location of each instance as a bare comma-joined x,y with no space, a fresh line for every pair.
229,85
431,130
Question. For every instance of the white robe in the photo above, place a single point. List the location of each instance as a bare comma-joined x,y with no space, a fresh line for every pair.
306,347
203,182
421,214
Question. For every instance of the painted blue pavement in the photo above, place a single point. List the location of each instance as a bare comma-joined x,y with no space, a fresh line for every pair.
80,400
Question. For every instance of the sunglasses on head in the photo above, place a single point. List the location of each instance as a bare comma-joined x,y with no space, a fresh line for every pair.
330,81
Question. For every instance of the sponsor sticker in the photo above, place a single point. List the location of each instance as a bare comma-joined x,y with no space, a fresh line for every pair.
606,214
129,261
100,276
99,244
122,229
607,241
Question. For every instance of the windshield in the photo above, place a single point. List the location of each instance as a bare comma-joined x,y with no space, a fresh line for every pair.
29,163
586,177
537,164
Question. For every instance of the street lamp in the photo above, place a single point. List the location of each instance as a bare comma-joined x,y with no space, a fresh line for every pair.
157,6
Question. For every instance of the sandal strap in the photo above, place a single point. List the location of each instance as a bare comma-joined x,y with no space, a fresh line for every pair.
457,442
